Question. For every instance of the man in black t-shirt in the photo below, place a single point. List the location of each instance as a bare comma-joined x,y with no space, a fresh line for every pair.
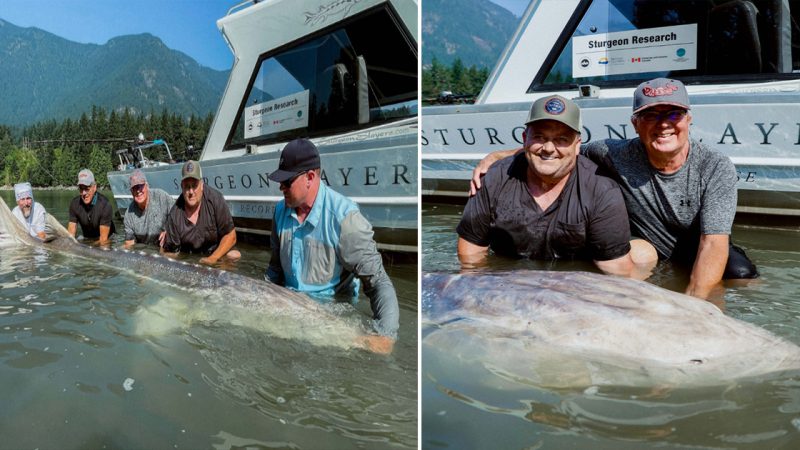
548,202
200,221
91,210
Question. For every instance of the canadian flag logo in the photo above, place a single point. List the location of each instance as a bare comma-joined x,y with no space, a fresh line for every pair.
636,60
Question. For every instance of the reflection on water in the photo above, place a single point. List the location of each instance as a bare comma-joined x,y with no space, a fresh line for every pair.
503,412
77,371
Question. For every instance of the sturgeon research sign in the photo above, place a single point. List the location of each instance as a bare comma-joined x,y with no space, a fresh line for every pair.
636,51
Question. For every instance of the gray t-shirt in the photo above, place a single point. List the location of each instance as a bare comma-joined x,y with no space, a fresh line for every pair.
671,211
145,226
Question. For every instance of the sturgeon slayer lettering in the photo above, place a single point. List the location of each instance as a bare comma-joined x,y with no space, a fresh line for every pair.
325,11
398,174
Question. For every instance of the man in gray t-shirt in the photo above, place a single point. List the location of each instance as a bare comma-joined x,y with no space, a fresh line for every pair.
144,219
680,195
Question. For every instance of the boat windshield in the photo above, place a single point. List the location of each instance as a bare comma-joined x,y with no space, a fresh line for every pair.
358,74
623,42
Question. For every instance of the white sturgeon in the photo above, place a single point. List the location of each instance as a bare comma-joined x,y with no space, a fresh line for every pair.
225,295
572,329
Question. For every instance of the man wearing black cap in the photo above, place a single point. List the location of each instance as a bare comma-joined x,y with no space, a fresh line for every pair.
91,210
680,194
547,202
200,221
322,245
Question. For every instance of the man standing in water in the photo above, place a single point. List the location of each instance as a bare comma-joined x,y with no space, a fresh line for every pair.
200,221
547,202
681,195
91,210
323,246
144,219
31,214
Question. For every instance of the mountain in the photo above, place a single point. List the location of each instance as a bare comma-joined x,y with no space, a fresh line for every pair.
43,77
476,31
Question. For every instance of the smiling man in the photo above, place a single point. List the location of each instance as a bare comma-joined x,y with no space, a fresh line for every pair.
144,219
680,194
547,202
200,222
30,213
91,210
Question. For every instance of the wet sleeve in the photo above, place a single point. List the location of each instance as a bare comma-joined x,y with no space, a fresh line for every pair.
609,229
476,221
223,217
274,271
73,216
172,242
106,214
359,255
127,221
719,199
167,202
39,222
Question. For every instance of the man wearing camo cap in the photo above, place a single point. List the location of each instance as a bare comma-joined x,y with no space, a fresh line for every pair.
31,214
144,219
91,210
680,194
547,202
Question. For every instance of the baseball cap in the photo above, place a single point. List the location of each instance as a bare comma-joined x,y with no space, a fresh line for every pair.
191,169
558,108
660,91
85,177
23,190
298,156
137,178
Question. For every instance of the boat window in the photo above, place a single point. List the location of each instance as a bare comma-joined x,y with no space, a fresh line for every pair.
358,75
623,42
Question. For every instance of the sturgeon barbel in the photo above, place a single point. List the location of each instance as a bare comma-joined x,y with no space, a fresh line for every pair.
572,329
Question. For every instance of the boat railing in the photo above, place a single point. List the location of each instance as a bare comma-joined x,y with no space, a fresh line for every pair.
241,5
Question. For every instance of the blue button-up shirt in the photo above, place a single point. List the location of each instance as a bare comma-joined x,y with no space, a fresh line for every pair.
327,255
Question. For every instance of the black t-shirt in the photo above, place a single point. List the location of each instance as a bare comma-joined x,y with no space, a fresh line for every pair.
587,221
90,217
213,222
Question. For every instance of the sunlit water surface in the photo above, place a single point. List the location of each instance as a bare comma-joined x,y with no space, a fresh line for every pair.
77,373
469,407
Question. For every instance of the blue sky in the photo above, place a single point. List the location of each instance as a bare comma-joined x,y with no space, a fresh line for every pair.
185,25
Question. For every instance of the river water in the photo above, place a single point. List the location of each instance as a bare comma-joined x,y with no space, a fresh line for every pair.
460,412
77,372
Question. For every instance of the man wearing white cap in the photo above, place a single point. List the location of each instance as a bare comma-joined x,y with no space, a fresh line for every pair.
680,194
30,213
144,219
91,210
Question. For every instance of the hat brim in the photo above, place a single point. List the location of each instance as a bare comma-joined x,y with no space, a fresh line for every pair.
554,119
279,176
650,105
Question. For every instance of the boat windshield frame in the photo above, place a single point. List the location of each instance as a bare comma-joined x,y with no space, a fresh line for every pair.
366,80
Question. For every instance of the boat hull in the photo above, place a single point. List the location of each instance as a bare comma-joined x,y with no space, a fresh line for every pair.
378,173
757,132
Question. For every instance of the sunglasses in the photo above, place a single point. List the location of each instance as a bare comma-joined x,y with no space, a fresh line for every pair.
137,188
288,183
675,115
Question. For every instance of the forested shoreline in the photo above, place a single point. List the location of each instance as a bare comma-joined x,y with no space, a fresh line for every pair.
50,153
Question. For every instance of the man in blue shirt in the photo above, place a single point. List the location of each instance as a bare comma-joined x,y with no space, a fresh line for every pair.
322,245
